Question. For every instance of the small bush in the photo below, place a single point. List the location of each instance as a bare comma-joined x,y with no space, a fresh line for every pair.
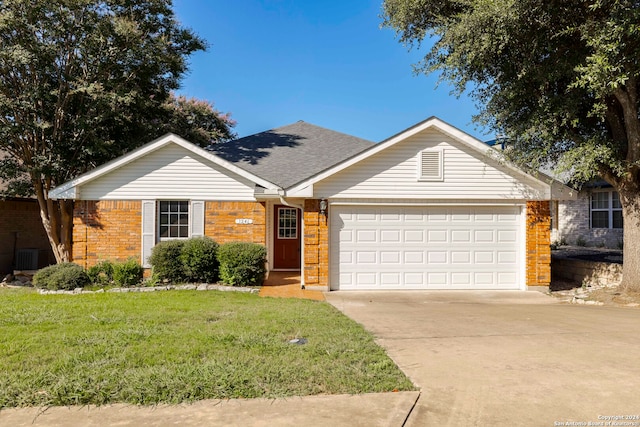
242,263
128,273
166,262
101,274
199,258
66,275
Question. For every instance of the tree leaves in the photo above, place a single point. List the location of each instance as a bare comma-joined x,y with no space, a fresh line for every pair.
555,76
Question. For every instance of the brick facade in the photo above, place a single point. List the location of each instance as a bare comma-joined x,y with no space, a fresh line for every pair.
111,230
538,241
21,228
316,245
574,225
106,230
220,222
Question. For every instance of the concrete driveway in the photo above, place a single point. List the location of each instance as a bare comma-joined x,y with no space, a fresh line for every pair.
506,358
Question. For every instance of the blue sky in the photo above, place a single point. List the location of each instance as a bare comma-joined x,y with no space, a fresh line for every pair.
274,62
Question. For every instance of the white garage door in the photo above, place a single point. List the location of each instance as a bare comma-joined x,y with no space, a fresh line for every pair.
387,247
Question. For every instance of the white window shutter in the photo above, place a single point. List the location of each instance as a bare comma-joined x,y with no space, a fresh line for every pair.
148,230
197,218
430,165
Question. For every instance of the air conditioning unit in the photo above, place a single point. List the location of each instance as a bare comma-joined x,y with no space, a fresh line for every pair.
27,259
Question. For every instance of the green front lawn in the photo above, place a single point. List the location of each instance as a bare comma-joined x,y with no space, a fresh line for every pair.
177,346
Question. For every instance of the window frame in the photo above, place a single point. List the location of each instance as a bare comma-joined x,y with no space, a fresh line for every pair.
609,209
159,214
295,228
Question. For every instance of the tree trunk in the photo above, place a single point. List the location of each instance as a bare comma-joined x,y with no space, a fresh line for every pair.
630,200
57,220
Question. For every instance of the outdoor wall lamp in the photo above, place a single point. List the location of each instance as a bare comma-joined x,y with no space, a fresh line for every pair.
323,207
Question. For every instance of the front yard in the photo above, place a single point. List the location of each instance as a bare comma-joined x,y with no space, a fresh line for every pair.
177,346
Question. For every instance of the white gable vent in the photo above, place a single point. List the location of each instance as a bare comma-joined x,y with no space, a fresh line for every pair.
430,165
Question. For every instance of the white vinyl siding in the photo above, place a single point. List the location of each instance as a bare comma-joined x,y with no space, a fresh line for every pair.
392,174
426,247
170,173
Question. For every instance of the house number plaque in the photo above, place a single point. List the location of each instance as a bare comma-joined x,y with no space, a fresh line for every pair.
244,221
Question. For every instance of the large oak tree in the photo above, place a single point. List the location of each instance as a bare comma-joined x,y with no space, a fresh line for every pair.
84,81
561,78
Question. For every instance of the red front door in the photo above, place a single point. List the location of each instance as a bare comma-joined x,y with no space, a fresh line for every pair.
286,244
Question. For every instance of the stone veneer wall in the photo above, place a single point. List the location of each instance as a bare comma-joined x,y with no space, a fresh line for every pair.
106,230
316,246
538,243
587,272
21,228
573,224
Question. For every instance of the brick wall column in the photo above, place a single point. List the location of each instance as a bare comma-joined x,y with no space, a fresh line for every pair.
316,246
538,243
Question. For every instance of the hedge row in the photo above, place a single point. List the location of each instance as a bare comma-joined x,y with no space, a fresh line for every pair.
200,259
69,276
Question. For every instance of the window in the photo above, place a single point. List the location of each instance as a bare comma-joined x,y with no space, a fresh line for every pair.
430,165
174,219
606,210
287,223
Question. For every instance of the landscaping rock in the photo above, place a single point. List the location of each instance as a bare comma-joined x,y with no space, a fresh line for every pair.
189,287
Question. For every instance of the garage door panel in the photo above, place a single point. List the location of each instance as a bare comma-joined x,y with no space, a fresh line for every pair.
507,236
437,236
460,257
425,248
347,236
413,257
366,236
391,257
437,257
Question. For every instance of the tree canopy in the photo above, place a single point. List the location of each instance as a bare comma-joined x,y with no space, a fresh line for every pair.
560,78
84,81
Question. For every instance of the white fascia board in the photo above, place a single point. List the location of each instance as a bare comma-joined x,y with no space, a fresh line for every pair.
61,191
300,192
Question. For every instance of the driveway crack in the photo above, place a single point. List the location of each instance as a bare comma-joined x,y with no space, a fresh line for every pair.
411,409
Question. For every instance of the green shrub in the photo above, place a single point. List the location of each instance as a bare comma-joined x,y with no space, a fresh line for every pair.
128,273
66,275
166,262
101,274
199,259
242,263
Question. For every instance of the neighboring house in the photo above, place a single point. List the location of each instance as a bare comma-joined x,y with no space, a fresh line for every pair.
23,241
594,218
429,208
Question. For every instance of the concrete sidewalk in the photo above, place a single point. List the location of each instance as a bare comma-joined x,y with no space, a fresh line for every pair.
376,409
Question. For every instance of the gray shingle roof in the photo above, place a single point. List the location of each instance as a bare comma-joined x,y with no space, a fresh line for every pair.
290,154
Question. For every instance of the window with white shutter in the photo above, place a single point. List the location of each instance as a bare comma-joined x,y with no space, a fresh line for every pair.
430,165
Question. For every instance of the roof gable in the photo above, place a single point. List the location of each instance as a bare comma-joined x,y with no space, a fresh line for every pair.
68,189
470,144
